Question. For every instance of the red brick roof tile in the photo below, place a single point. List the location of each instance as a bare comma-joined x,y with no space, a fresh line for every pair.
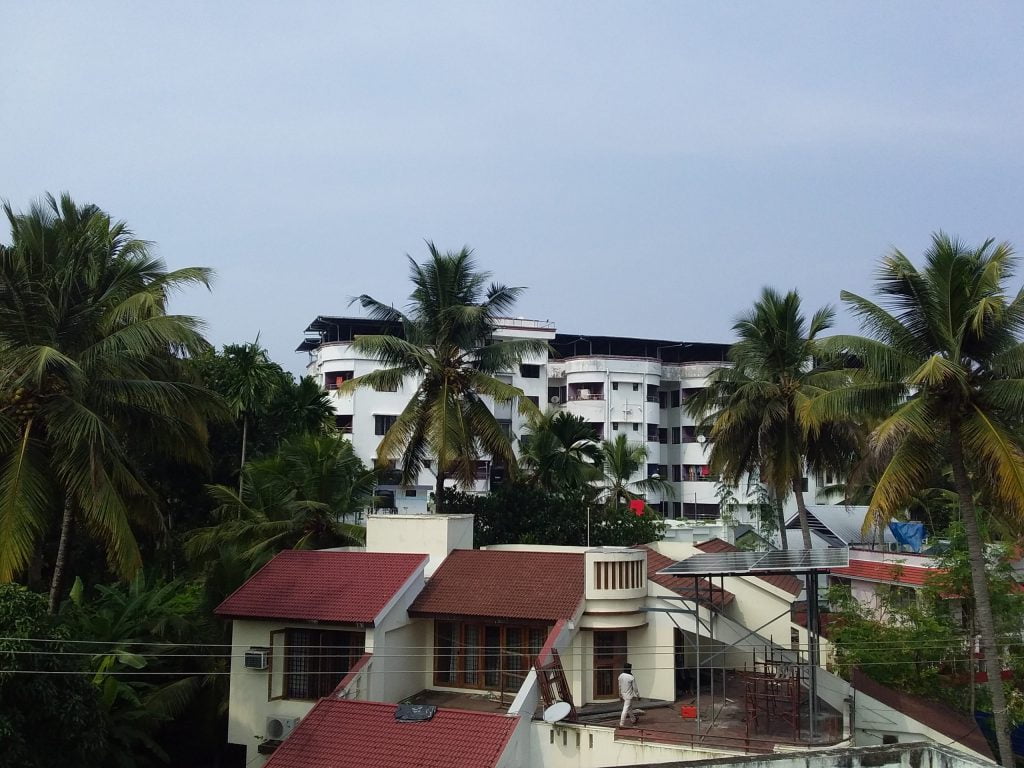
790,584
707,594
890,573
340,733
512,584
343,587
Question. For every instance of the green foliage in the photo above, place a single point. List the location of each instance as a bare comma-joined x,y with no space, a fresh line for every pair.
54,716
517,513
91,378
755,409
560,452
447,344
622,460
297,499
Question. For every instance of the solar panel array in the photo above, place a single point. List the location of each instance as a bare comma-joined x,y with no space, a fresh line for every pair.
737,563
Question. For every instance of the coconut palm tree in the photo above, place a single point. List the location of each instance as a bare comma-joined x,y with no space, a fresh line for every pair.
753,409
252,380
560,452
943,362
88,358
299,499
621,461
446,347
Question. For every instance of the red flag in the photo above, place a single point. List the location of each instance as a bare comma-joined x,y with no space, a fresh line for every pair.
636,506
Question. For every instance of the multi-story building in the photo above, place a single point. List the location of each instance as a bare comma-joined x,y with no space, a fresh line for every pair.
636,387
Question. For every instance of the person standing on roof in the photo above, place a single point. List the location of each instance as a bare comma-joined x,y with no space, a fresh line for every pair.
629,693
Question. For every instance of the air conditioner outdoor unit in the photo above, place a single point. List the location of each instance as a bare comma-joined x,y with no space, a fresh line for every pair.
257,658
278,728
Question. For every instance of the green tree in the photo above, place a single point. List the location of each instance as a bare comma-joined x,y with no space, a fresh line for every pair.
50,713
89,357
560,452
754,408
943,365
622,460
447,346
298,499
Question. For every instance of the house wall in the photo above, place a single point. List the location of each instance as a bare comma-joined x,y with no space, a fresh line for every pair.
591,746
249,703
401,662
433,535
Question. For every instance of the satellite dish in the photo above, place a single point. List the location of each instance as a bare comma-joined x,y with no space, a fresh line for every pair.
557,712
554,400
701,439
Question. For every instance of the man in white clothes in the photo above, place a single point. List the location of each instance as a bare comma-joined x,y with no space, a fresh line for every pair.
629,693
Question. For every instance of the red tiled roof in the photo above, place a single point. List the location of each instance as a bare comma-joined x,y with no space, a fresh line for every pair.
707,594
890,573
340,733
343,587
512,584
944,719
790,584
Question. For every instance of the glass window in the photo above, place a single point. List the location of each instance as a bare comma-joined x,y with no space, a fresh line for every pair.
382,423
610,652
529,371
317,660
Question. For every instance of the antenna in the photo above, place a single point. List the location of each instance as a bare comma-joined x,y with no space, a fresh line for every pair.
557,712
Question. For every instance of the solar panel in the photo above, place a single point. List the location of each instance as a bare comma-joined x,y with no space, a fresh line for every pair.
738,563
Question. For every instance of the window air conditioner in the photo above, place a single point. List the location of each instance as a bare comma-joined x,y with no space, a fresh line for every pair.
278,728
257,658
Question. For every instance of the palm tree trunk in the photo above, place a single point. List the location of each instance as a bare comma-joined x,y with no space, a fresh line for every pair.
780,513
241,464
439,493
982,603
60,565
801,509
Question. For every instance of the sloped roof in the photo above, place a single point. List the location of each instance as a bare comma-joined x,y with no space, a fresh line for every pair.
342,587
341,733
790,584
889,573
707,594
512,584
840,525
944,719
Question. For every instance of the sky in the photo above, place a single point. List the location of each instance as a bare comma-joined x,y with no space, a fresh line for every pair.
643,168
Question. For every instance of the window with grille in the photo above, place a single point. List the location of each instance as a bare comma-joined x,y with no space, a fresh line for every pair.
488,656
316,660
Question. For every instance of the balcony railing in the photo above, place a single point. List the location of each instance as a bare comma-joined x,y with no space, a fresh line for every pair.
575,396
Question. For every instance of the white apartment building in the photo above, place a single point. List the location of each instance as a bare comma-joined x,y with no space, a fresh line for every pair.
619,385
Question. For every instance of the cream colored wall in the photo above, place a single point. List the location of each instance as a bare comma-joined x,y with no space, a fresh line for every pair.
249,705
400,662
590,746
434,535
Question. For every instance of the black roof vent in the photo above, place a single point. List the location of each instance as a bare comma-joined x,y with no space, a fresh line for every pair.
414,713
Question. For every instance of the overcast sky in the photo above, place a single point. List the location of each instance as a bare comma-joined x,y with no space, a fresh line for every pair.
644,168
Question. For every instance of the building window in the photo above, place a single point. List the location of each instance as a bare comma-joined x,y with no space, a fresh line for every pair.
675,398
615,386
619,574
697,472
662,435
653,469
615,426
410,493
598,427
506,427
636,427
652,433
382,423
652,393
663,399
675,435
610,653
636,387
534,399
482,470
428,463
677,509
529,371
689,434
489,656
315,660
343,423
677,473
335,379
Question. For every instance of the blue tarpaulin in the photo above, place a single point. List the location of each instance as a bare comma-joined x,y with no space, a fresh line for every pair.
909,534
